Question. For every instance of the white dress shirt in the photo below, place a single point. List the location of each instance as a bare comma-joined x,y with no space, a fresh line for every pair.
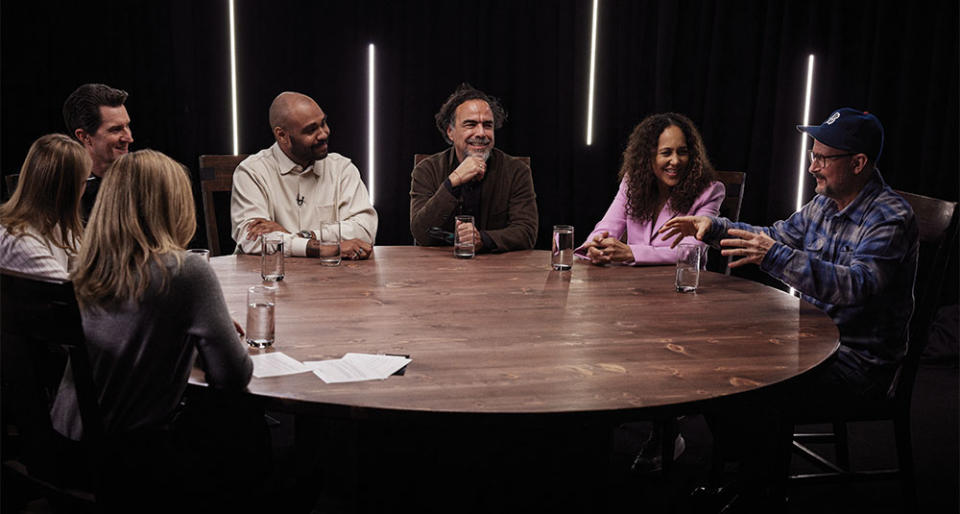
269,185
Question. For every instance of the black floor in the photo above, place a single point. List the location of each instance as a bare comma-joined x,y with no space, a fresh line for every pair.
936,446
935,429
936,442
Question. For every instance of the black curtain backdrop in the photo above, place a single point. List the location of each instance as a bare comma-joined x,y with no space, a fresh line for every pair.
737,68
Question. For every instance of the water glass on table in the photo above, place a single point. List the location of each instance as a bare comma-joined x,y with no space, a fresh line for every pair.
561,257
202,252
271,257
261,315
688,267
463,244
330,240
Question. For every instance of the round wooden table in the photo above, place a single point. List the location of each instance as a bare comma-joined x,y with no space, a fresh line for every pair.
505,335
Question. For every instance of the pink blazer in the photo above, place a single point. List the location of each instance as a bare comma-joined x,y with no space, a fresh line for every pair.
642,237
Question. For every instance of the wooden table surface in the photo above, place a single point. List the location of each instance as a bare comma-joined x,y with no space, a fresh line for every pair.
504,335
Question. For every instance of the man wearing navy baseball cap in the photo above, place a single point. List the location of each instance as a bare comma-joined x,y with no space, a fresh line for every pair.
851,251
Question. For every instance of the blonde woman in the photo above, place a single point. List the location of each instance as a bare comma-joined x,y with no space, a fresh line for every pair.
149,311
40,225
149,308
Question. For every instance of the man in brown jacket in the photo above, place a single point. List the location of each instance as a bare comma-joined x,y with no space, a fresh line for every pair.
473,177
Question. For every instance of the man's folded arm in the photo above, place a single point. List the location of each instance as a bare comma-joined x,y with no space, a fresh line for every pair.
430,205
358,218
248,202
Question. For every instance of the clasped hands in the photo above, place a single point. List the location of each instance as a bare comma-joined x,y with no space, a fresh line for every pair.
464,233
603,249
751,247
355,249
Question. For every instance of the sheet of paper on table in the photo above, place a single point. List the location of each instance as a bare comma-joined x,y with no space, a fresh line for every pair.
275,364
355,367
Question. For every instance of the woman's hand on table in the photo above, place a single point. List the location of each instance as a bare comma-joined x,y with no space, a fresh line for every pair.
603,249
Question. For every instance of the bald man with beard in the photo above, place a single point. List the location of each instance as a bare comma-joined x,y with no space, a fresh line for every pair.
296,184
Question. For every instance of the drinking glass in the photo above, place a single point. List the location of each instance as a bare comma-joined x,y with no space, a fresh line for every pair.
688,267
329,239
261,315
271,257
562,256
463,245
202,252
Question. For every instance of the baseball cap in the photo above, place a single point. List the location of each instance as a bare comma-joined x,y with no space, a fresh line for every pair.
851,130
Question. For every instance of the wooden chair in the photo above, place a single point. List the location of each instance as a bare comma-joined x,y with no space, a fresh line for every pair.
937,221
10,181
417,157
40,330
216,176
734,182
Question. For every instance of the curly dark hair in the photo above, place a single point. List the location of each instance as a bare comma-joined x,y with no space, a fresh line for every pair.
639,158
82,107
465,92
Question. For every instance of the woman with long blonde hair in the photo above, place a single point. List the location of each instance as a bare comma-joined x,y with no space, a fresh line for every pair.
40,225
150,311
149,308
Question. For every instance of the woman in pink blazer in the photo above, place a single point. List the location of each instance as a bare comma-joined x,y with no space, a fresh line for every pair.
665,173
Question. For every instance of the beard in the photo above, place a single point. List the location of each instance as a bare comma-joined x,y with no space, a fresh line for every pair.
304,153
483,154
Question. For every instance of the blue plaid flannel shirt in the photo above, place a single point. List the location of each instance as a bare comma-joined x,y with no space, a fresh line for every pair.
858,265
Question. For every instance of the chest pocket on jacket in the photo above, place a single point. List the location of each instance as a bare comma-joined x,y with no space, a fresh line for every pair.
814,246
844,255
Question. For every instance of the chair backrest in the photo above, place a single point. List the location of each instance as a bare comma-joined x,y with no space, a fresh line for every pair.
10,181
216,176
733,181
938,223
417,157
40,330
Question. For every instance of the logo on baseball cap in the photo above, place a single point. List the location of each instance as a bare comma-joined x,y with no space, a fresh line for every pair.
850,130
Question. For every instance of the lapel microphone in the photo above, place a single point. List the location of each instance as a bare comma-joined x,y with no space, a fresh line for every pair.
300,200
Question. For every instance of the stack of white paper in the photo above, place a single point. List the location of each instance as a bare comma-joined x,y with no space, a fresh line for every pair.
354,367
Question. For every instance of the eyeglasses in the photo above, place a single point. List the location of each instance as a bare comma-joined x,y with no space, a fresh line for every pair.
821,160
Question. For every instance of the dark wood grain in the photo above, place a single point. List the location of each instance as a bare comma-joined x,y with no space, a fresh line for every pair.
506,335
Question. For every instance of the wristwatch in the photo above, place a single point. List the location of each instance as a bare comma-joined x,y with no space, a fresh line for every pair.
307,234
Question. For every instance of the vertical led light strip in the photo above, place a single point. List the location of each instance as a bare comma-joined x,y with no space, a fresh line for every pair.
801,167
593,64
371,61
233,82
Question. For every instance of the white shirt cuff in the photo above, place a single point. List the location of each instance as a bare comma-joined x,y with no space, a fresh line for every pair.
298,246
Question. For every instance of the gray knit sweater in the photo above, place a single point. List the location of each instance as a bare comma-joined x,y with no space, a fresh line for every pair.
142,352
